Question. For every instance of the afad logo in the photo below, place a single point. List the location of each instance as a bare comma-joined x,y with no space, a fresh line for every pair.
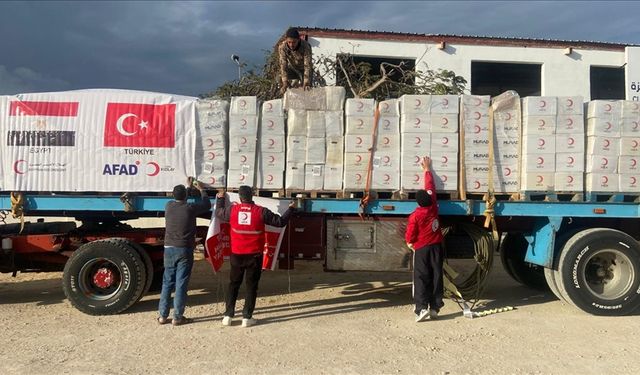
151,169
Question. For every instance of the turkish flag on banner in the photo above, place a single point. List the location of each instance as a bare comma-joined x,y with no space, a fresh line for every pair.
218,244
140,125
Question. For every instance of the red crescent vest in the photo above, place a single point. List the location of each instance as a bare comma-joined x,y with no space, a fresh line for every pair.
247,228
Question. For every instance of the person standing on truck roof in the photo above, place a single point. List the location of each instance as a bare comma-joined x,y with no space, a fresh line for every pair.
294,56
424,237
179,243
247,221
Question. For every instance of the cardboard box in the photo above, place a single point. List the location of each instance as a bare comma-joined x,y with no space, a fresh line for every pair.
445,104
334,123
272,108
629,183
389,125
609,146
538,163
240,177
314,177
296,149
272,143
630,127
335,151
444,123
630,109
570,124
212,156
385,179
602,164
630,146
602,182
570,105
444,142
243,125
294,176
604,109
316,127
538,125
244,105
242,143
211,168
356,160
569,181
476,102
604,127
335,98
360,107
538,181
357,143
629,164
386,160
444,160
354,179
570,162
239,160
272,126
445,180
271,161
415,123
316,151
215,180
359,125
211,142
412,104
539,106
478,129
412,179
538,144
410,160
570,143
333,177
296,122
507,117
389,108
388,142
271,179
480,156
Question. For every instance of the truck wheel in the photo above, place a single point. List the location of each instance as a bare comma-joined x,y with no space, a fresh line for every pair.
146,259
599,272
549,276
103,277
512,252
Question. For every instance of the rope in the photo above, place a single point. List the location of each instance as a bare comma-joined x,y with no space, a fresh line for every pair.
17,208
364,202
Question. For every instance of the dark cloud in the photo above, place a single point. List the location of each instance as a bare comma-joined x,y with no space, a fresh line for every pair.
185,47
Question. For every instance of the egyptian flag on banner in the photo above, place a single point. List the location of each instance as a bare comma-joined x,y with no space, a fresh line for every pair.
218,244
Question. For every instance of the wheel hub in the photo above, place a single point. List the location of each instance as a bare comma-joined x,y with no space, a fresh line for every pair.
609,274
103,278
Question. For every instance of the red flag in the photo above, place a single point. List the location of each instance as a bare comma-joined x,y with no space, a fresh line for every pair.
140,125
30,108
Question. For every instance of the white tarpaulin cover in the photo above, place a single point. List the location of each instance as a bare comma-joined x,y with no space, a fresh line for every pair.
96,141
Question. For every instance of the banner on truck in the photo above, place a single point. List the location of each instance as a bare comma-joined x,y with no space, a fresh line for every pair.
96,140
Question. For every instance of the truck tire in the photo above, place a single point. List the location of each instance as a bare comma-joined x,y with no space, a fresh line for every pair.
599,272
146,259
103,277
513,249
549,276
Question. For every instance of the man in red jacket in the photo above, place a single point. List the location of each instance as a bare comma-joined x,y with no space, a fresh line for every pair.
247,221
424,237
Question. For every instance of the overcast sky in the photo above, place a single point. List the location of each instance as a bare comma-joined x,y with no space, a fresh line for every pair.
185,47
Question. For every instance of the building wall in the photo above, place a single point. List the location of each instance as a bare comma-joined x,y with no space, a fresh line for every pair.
561,74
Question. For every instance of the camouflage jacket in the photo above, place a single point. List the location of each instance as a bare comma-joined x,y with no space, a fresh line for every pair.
295,63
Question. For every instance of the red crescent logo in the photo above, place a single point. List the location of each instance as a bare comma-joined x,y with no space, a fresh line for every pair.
634,162
271,124
542,122
244,140
358,177
444,159
507,171
358,140
606,143
634,144
477,185
360,106
358,158
209,142
478,101
445,121
571,160
635,125
272,142
478,116
445,140
270,178
387,177
569,121
607,107
212,179
244,122
243,216
543,104
569,103
508,116
243,158
272,159
540,179
636,106
541,142
569,179
633,180
241,177
604,179
417,122
445,102
360,123
605,162
16,167
156,169
386,159
540,160
478,129
416,178
609,125
387,123
269,107
386,140
418,103
212,155
571,141
243,103
385,106
444,178
418,140
417,159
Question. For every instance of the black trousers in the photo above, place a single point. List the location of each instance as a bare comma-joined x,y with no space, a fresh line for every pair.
251,264
427,277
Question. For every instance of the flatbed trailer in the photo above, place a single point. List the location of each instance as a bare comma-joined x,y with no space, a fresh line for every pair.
587,253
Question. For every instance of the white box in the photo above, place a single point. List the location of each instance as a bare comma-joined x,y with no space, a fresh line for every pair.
296,149
335,152
244,105
294,177
386,160
476,102
536,144
569,162
507,129
239,160
316,151
604,109
356,160
272,143
412,179
354,179
217,180
420,142
604,127
444,142
539,125
410,160
240,177
272,126
480,156
388,125
570,143
360,107
480,184
296,122
211,168
570,105
630,109
538,163
630,146
271,161
272,108
359,125
415,104
243,125
357,143
334,123
444,160
314,177
509,116
602,182
445,104
569,181
539,106
242,143
333,177
476,143
271,179
609,146
602,164
385,179
211,142
569,124
630,127
389,108
445,180
388,142
316,126
307,99
629,183
537,181
335,98
213,156
415,123
444,123
212,112
629,164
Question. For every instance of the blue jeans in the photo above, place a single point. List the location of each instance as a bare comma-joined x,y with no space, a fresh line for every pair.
178,262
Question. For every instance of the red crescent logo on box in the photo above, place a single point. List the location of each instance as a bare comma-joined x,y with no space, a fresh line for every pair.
571,141
445,140
541,142
540,179
272,159
360,106
634,162
358,140
478,116
271,124
387,123
633,180
386,140
634,144
418,140
269,107
636,106
17,167
476,184
477,129
417,159
635,125
606,143
604,179
244,140
569,102
445,102
242,177
569,179
360,123
540,160
155,169
243,158
543,104
385,106
607,107
243,103
387,177
418,103
507,171
386,159
542,122
210,142
212,155
570,160
444,159
272,142
605,162
270,178
478,101
417,121
212,179
416,177
608,125
445,121
508,116
444,178
569,121
358,177
358,158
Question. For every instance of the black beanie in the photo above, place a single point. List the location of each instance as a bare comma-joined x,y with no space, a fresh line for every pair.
423,198
246,193
292,32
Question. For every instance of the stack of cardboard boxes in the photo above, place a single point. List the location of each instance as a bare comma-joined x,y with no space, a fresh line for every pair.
271,157
211,139
243,131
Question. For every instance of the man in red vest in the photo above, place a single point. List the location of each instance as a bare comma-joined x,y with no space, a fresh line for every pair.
424,237
247,221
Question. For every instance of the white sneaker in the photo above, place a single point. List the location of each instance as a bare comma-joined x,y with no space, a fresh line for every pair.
248,322
226,321
424,315
433,314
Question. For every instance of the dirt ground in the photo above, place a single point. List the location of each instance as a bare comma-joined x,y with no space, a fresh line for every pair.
311,322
